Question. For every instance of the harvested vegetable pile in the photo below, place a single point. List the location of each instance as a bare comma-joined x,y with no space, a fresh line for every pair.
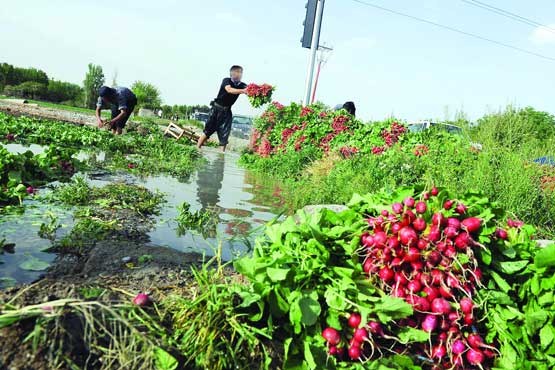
409,280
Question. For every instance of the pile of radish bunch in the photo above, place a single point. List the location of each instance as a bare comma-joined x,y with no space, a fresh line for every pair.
425,257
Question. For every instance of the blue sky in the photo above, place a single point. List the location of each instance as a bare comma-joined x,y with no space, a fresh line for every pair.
387,64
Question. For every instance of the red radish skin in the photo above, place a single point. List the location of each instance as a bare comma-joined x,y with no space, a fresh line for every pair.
474,357
461,209
502,234
454,222
429,324
458,347
409,202
354,320
386,274
434,191
380,238
438,219
397,208
333,351
421,207
141,300
375,328
434,234
360,335
439,352
441,306
466,305
354,352
471,224
408,236
419,224
331,336
385,213
395,228
448,205
426,196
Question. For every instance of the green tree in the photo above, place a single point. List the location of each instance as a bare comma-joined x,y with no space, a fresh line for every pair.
60,91
94,79
148,95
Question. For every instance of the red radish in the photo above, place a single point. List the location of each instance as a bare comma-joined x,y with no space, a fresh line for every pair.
434,257
385,213
450,232
422,244
400,279
439,352
458,347
414,286
141,299
395,228
380,238
10,137
421,207
425,279
475,341
438,219
437,276
393,243
448,205
409,202
340,351
419,224
489,353
468,319
466,305
453,316
130,165
471,224
434,191
368,240
426,196
408,236
409,216
354,352
429,324
395,262
463,241
386,274
412,255
417,265
397,208
441,306
375,328
474,357
354,320
360,335
452,281
445,292
454,222
355,343
367,267
434,234
502,234
30,190
442,336
461,209
331,336
333,351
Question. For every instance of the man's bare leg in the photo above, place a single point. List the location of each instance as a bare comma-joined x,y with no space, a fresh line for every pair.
223,148
201,140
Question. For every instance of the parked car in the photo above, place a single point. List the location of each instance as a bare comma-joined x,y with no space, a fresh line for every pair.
452,129
241,126
201,116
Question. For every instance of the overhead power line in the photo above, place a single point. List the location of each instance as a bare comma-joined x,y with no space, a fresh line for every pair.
507,14
456,30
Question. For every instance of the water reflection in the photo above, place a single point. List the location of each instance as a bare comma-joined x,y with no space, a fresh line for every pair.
209,182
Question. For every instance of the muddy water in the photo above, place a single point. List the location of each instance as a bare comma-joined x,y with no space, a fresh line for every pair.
240,202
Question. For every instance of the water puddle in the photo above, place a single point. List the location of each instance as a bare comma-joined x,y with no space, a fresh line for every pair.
241,202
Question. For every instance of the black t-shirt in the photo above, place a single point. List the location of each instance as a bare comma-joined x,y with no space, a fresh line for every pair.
226,99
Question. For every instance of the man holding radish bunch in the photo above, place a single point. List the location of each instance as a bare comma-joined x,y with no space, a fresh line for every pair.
121,101
221,115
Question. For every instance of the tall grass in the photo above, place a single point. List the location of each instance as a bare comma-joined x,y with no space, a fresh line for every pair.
503,170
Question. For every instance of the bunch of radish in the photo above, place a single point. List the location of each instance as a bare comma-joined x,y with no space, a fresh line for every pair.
422,251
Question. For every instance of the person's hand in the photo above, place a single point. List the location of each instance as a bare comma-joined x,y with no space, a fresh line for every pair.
100,123
244,91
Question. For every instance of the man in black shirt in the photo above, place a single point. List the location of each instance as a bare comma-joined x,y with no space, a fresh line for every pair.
221,115
121,101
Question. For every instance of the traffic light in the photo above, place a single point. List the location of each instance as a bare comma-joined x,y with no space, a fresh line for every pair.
308,23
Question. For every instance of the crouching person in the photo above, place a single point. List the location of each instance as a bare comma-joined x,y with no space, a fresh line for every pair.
121,101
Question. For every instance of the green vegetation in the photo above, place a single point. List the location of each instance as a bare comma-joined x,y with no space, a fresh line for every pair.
145,151
94,79
148,95
503,170
203,222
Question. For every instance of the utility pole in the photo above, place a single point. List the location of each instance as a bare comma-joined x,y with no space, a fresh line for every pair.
322,59
313,46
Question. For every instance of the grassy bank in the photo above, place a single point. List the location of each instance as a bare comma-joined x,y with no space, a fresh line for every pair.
503,170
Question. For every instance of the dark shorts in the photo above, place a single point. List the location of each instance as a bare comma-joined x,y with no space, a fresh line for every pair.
220,122
121,123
